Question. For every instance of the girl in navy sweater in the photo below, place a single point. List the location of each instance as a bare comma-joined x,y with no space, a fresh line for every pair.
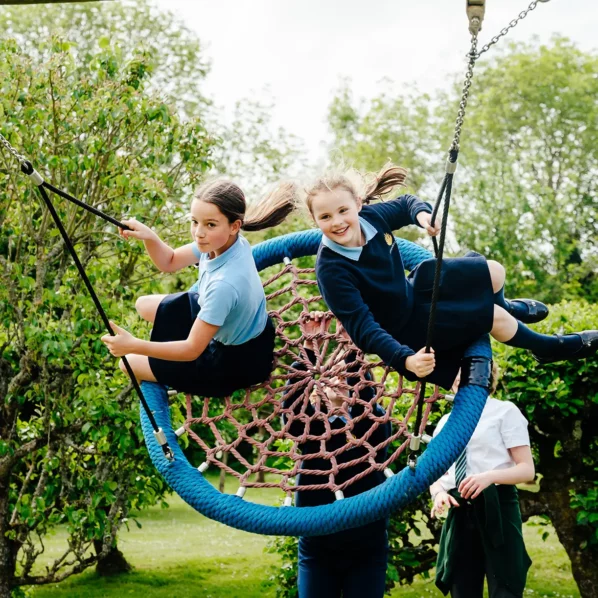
351,563
362,279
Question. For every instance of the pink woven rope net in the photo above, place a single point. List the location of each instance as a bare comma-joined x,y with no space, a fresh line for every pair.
260,435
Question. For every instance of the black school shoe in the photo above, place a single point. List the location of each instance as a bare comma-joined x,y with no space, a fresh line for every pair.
589,346
536,311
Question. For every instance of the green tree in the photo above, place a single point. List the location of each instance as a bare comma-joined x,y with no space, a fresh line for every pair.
560,401
525,189
392,126
173,50
527,193
256,153
70,447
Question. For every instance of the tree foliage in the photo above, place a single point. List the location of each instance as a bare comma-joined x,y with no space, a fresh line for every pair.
391,127
70,446
173,50
255,152
527,193
560,401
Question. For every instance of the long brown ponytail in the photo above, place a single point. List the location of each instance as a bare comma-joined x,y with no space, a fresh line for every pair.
230,200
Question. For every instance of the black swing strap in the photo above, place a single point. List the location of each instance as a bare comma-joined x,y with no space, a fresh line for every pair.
475,14
83,205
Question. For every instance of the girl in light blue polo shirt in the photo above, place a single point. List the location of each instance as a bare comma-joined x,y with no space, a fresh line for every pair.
218,339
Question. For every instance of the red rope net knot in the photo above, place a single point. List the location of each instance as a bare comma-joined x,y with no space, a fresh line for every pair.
328,411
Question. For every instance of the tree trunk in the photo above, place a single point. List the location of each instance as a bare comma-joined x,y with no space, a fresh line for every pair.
555,502
584,562
114,563
7,546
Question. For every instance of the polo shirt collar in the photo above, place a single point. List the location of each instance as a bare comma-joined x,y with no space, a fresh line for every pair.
353,253
213,264
333,418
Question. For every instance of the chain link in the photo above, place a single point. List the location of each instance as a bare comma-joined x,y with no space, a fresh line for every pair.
473,55
510,26
11,150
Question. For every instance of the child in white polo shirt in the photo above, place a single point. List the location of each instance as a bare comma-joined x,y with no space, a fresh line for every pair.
218,339
482,535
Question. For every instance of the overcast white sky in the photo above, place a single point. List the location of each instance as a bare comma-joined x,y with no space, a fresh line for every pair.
299,49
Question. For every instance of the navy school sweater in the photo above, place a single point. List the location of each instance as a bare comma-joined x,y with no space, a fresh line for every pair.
371,296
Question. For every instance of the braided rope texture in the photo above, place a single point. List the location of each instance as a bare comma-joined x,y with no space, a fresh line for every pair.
359,510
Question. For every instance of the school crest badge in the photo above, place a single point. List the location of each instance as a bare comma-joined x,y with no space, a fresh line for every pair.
389,240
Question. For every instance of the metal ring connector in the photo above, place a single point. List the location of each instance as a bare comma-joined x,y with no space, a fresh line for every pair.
415,442
451,167
36,177
160,437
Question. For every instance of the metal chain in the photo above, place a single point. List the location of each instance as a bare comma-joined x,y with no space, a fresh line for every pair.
473,55
510,26
9,148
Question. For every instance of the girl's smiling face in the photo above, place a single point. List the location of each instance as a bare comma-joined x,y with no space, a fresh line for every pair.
336,214
211,229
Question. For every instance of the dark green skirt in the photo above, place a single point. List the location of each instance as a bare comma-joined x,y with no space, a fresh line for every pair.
497,517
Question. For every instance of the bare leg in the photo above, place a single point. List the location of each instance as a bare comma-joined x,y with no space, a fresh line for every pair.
140,366
504,326
497,275
147,306
528,311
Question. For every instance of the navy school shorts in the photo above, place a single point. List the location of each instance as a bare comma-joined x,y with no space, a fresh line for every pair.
220,369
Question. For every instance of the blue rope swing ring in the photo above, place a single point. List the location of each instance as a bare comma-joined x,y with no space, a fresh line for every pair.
396,492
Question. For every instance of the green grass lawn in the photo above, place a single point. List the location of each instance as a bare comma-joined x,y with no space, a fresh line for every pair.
179,553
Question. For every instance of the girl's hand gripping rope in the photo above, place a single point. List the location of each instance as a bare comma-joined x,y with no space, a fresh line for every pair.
138,231
422,364
122,343
425,221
